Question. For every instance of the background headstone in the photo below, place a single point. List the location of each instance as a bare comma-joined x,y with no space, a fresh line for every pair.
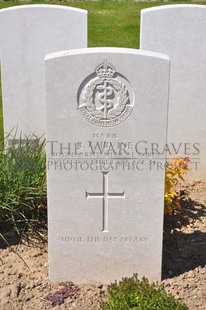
27,34
105,109
179,31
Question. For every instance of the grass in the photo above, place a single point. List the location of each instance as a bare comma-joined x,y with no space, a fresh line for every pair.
1,113
23,184
132,293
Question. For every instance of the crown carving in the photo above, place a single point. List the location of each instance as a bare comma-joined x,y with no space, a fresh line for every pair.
105,70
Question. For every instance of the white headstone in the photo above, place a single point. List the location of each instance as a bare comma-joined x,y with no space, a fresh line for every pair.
179,31
105,108
27,34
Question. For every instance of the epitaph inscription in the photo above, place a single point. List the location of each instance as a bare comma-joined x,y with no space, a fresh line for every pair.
105,100
105,195
105,239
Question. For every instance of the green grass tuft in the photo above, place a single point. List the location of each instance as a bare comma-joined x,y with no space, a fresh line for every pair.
1,112
23,183
133,294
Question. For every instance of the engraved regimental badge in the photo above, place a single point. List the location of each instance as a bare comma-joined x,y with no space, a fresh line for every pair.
105,98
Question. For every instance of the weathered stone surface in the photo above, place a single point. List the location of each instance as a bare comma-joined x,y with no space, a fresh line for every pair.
28,33
179,31
105,109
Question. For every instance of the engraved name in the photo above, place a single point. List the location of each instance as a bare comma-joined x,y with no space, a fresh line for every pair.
104,148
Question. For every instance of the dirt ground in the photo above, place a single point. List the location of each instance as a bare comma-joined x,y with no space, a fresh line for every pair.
24,266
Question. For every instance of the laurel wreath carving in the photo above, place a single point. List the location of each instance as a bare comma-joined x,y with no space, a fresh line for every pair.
122,100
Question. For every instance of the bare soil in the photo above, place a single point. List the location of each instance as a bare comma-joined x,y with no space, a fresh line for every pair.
24,281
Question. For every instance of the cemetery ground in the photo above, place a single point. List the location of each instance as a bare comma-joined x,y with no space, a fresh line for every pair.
24,265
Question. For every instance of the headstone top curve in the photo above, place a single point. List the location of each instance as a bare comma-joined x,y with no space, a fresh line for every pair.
42,6
172,6
110,50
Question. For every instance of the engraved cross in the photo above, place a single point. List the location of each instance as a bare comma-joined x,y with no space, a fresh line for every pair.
105,195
